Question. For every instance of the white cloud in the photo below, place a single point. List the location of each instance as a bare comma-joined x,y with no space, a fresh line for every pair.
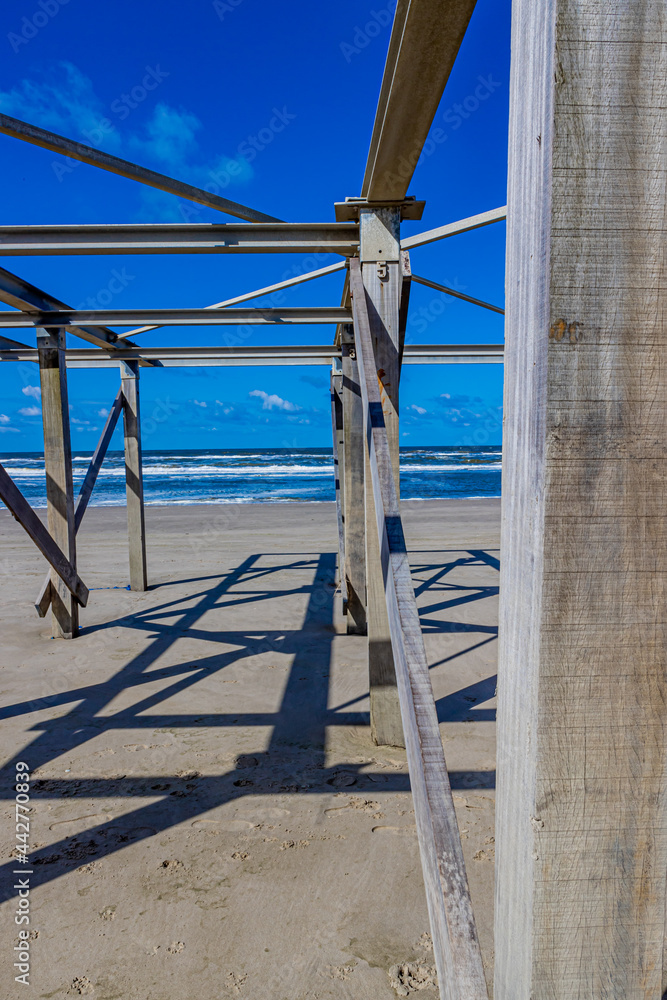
103,412
4,419
269,401
62,100
30,411
9,430
198,403
417,409
83,423
32,390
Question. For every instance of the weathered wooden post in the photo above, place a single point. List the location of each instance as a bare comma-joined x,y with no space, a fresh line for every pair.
58,467
136,528
339,470
581,837
380,251
354,518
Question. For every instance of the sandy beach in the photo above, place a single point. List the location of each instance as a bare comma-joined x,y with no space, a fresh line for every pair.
210,818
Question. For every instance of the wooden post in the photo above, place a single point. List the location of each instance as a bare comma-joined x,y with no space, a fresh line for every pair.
58,467
581,836
339,471
354,518
136,528
382,276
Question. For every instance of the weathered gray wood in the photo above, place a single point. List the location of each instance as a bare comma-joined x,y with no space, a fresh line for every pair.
404,303
581,833
424,42
134,480
12,497
455,944
382,276
354,518
58,468
98,158
43,600
339,475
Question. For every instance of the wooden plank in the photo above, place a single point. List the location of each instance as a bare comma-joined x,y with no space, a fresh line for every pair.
424,42
12,497
455,945
404,303
339,475
354,521
43,599
581,841
382,275
115,165
58,469
134,479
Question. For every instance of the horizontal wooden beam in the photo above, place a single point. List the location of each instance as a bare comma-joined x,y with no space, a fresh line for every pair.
20,294
257,293
175,317
455,945
97,158
414,354
12,497
425,39
309,237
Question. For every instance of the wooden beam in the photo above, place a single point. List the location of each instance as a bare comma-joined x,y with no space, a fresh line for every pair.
455,228
581,841
285,354
457,295
12,497
382,276
115,165
455,945
354,521
258,293
134,477
58,469
160,238
404,303
339,473
43,599
176,317
20,294
425,39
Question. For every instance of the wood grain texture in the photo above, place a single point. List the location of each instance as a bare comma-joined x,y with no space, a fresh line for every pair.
134,477
455,944
354,520
382,274
581,841
58,469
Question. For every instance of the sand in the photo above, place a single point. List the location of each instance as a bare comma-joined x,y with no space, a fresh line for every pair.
210,818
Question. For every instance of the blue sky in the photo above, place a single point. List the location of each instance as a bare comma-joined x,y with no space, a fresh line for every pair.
194,92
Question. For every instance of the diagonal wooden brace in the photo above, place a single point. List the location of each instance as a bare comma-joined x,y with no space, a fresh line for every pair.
12,497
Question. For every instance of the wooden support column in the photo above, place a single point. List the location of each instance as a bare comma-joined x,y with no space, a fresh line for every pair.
339,471
581,841
134,480
58,468
382,276
354,517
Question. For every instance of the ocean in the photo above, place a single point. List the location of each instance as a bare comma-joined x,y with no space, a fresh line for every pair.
262,475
